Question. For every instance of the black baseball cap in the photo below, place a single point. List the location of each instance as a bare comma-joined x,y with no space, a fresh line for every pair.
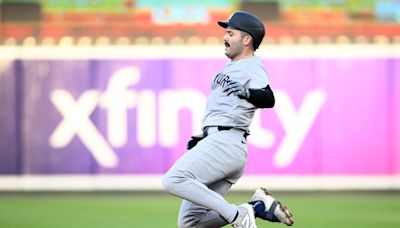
246,22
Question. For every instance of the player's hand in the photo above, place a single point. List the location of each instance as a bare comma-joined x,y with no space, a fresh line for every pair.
194,140
237,89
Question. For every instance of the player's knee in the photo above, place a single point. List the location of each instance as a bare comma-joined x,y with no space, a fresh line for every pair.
169,182
166,182
172,181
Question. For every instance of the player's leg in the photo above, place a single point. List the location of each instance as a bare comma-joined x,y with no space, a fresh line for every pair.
214,158
194,215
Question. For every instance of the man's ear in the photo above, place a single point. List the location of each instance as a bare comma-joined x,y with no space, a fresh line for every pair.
247,40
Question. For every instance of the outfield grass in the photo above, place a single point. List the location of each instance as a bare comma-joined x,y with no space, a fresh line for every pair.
139,210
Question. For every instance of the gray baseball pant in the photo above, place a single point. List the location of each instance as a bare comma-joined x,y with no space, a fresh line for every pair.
203,175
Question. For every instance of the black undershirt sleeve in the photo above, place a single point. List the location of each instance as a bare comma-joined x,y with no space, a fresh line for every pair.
262,98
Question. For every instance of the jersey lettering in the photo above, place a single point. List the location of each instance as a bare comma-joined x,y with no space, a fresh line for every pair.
222,79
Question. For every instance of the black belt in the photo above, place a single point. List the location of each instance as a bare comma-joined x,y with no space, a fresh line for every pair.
223,128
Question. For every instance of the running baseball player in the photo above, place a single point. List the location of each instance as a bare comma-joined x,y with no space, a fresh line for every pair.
217,158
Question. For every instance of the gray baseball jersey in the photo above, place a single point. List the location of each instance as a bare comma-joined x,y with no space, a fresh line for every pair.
223,110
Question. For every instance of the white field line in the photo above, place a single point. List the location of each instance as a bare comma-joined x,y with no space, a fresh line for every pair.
153,183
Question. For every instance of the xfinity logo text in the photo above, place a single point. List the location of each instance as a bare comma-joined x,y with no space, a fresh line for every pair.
158,120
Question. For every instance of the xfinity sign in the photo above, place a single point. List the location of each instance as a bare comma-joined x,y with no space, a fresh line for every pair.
157,119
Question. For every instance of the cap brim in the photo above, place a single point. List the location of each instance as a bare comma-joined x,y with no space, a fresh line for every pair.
223,24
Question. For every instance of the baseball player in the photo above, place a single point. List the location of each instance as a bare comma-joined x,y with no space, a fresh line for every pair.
217,158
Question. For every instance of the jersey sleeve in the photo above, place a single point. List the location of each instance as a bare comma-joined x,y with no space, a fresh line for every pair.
258,79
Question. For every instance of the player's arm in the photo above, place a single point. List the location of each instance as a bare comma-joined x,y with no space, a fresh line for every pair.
261,98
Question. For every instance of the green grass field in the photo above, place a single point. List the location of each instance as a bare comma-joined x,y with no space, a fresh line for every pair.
140,210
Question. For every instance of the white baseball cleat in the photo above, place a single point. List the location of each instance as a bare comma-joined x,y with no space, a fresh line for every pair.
246,217
274,210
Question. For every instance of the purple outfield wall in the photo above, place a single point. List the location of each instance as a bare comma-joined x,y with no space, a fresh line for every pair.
333,116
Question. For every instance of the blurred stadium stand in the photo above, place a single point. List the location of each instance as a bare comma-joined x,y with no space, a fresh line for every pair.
188,22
